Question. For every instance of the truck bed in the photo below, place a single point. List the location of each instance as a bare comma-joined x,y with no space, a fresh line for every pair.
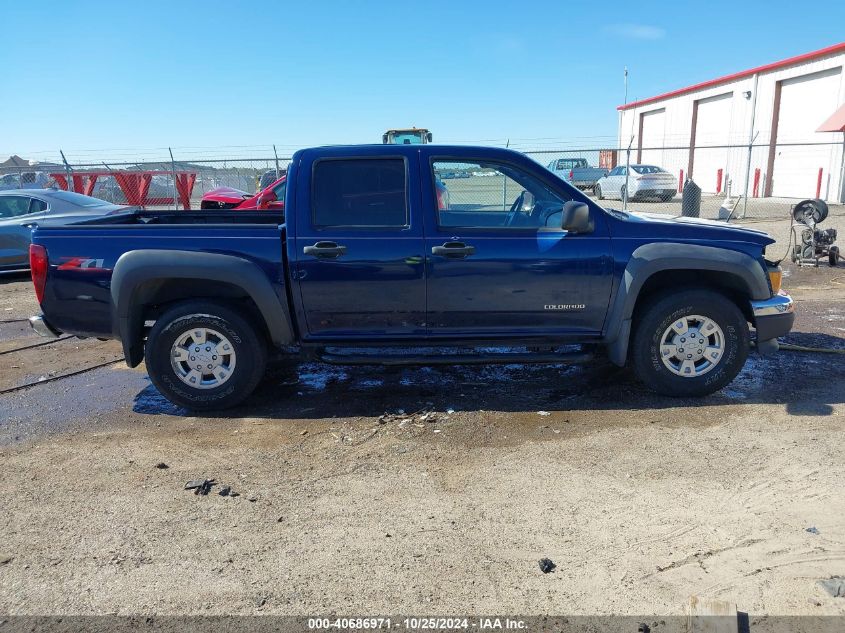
83,255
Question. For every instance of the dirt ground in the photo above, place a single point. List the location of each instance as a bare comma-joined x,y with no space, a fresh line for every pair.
640,500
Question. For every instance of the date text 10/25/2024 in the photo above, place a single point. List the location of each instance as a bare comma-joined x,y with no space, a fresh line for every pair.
417,623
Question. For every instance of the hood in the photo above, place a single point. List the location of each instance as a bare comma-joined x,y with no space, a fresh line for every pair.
701,228
226,194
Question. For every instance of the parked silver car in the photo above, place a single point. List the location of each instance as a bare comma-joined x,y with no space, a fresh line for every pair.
643,181
21,210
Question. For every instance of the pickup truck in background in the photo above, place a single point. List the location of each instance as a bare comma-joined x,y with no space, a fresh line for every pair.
366,267
576,172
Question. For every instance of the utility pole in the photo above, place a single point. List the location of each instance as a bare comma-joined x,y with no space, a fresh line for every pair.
752,136
627,170
626,86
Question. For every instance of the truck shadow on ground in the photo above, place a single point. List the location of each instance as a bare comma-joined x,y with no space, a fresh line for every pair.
805,383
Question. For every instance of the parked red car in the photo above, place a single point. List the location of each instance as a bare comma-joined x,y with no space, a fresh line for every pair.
271,197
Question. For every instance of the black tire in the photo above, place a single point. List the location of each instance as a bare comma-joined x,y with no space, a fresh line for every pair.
622,193
658,315
833,256
249,348
597,191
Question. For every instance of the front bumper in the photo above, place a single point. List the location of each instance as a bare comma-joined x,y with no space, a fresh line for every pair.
773,317
42,328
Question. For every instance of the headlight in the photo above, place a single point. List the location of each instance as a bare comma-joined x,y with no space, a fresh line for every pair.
775,278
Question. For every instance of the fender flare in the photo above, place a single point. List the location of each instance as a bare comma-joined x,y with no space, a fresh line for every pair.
135,268
652,258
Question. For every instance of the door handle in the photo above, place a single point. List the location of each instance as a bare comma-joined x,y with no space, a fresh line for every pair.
325,250
454,250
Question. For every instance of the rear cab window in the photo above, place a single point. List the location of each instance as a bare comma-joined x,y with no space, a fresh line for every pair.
360,193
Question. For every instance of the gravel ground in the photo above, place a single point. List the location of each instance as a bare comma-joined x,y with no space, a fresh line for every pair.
640,500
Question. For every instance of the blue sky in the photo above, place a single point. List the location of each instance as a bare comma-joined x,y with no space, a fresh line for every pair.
107,78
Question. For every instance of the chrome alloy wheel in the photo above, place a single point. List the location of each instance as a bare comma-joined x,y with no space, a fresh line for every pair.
203,358
692,346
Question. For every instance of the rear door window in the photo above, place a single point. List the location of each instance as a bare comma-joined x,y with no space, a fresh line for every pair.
360,192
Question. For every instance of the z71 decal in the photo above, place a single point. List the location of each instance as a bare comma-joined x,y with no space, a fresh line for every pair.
82,263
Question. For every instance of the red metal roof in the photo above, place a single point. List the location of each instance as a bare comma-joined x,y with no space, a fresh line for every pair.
830,50
836,122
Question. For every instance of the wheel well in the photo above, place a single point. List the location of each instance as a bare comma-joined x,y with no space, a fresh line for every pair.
665,281
156,296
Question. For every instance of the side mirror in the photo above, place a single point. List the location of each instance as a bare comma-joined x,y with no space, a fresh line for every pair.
428,137
575,217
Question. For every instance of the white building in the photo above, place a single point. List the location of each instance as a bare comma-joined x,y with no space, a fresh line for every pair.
780,106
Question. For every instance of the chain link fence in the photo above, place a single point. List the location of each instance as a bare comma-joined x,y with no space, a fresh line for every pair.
798,171
804,171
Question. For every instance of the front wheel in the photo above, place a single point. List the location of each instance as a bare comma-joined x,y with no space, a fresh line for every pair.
833,256
690,343
203,355
597,191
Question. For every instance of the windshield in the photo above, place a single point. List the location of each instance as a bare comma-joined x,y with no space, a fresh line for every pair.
648,169
78,199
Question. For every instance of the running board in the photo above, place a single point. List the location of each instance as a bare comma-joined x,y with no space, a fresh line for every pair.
573,358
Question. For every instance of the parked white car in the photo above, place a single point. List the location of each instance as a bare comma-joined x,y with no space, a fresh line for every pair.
644,181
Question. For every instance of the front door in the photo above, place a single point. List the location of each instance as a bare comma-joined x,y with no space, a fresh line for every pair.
500,265
359,249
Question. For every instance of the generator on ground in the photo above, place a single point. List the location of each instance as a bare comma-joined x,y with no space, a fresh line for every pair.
812,244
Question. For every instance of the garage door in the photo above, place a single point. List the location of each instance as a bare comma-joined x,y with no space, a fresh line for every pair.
805,102
653,136
713,125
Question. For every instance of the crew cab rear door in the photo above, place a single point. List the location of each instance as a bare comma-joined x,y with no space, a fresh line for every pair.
500,265
359,244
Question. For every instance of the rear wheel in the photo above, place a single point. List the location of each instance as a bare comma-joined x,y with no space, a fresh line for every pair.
203,355
622,193
833,256
690,343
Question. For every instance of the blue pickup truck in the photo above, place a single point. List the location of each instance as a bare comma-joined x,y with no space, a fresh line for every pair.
370,264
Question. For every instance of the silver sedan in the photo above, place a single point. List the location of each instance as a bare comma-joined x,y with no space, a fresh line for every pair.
643,181
21,210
